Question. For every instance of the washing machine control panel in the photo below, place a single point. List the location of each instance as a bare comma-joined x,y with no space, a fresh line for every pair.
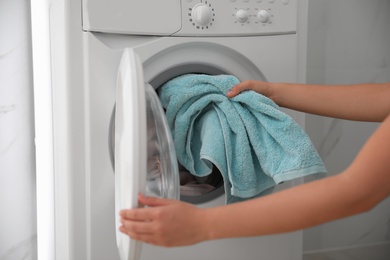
191,17
238,17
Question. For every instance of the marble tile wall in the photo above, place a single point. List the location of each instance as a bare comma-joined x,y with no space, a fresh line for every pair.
348,42
18,235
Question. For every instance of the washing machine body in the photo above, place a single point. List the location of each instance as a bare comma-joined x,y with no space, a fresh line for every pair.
90,40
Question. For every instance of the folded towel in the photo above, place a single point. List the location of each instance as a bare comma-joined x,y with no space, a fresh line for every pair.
248,138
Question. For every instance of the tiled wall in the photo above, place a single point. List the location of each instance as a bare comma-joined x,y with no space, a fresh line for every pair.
348,42
18,233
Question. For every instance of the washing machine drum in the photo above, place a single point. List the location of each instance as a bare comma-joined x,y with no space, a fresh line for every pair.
145,159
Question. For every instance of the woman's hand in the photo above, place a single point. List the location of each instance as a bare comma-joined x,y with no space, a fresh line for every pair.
164,222
360,102
260,87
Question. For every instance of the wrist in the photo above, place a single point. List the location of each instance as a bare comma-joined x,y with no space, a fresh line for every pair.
272,92
207,225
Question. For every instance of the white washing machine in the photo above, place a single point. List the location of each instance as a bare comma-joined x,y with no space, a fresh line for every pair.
156,41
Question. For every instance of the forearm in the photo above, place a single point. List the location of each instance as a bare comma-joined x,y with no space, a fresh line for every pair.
359,188
363,102
290,210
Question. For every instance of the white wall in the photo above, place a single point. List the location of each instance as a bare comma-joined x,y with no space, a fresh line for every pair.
348,42
17,162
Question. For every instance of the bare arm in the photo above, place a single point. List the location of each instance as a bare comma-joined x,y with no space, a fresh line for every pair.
363,102
359,188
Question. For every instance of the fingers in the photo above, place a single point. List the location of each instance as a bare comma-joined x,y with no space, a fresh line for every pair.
136,227
136,214
237,89
144,224
164,222
138,224
153,201
143,214
147,237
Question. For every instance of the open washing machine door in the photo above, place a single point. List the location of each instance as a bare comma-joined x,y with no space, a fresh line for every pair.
145,158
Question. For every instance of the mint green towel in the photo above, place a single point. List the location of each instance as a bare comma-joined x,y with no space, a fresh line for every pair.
252,142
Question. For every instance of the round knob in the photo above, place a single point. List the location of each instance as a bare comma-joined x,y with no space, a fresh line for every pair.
242,16
263,16
201,14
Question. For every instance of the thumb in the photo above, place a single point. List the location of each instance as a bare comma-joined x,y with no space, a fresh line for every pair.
154,201
240,87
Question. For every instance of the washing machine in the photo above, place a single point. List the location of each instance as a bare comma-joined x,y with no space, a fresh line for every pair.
108,58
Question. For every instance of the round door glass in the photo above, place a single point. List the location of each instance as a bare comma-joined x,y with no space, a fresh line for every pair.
162,167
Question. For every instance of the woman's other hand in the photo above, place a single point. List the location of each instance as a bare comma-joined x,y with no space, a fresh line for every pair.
164,222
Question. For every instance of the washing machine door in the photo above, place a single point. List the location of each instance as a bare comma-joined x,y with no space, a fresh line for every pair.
145,159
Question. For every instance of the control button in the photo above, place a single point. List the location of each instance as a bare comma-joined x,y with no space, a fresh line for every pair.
242,16
263,16
201,14
285,2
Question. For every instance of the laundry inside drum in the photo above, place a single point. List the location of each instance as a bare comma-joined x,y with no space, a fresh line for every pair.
162,169
165,176
191,185
191,188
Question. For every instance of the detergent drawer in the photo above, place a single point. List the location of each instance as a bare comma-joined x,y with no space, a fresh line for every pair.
144,17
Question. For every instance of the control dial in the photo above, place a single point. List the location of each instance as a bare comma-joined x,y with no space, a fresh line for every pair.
263,16
202,14
242,16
